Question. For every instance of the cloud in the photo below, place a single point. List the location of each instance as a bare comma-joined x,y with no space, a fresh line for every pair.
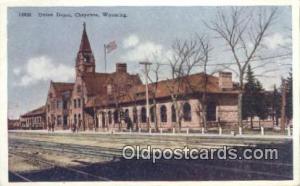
147,51
275,40
43,69
17,71
131,41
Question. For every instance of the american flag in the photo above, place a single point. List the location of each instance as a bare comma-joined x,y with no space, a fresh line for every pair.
111,46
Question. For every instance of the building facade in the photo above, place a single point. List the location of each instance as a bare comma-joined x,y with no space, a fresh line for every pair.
117,100
35,119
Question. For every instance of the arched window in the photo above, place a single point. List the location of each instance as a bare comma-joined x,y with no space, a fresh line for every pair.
143,115
79,117
152,113
116,116
173,114
211,112
103,119
109,89
163,113
126,114
75,119
109,117
135,115
187,114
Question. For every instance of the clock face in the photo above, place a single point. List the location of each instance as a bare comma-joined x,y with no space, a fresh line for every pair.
86,59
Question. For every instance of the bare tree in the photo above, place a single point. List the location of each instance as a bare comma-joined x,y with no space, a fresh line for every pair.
153,90
133,97
118,91
243,31
186,55
200,89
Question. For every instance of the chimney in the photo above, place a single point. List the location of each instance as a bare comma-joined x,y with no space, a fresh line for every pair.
225,80
121,68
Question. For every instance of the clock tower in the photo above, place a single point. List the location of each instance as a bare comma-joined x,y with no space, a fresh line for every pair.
85,61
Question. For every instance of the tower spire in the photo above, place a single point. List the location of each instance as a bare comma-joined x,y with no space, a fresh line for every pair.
85,61
85,43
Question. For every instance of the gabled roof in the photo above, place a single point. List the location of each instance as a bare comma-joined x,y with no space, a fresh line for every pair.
96,83
60,87
39,111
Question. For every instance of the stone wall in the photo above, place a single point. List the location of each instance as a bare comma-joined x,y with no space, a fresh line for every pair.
226,111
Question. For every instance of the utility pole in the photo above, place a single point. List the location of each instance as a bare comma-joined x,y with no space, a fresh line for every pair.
283,105
146,64
105,57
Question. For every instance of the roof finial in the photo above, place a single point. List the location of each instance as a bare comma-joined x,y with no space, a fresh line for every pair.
84,25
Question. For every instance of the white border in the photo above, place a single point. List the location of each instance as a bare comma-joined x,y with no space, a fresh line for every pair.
78,3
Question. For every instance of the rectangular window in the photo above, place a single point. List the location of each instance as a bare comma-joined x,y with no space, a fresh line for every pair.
52,105
79,103
59,104
74,103
65,104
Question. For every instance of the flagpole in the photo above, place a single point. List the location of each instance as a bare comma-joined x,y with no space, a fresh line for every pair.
105,57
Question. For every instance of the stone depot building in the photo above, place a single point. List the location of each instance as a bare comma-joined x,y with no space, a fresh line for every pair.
117,100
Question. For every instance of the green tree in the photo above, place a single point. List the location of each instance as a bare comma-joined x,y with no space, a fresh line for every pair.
276,105
248,97
254,98
289,98
260,102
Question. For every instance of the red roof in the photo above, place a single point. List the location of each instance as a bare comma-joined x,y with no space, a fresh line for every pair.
97,83
60,87
190,84
39,111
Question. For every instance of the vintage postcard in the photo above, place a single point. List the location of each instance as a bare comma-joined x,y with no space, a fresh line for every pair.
164,93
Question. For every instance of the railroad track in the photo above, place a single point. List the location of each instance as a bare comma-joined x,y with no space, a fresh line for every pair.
93,151
39,160
203,140
90,151
250,167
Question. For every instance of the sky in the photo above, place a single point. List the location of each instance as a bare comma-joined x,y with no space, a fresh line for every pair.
44,48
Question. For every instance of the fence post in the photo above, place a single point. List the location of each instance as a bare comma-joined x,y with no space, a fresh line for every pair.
240,131
220,131
161,130
173,130
130,130
202,130
187,131
140,130
150,130
289,130
262,131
